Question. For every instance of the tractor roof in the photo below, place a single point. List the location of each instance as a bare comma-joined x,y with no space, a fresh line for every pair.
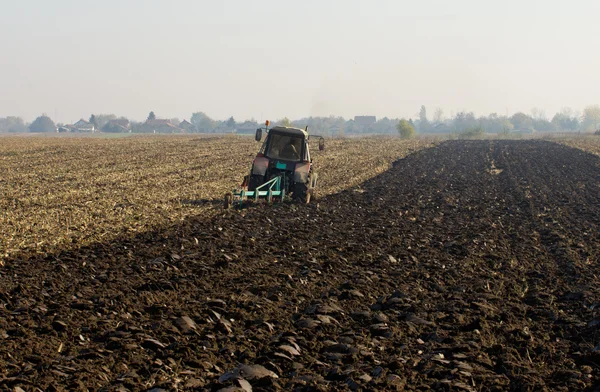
290,131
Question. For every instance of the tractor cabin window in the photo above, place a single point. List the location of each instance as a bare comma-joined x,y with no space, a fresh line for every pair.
285,147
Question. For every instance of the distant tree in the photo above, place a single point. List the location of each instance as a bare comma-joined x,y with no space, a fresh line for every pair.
507,126
112,127
325,125
202,122
42,124
220,126
230,123
472,133
151,116
495,124
423,121
174,121
521,121
285,122
423,113
591,118
93,121
406,130
350,127
139,127
12,124
538,114
16,125
540,121
463,121
565,121
102,119
385,126
116,125
543,125
438,116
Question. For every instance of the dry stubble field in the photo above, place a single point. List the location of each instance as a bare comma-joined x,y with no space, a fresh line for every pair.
63,193
586,143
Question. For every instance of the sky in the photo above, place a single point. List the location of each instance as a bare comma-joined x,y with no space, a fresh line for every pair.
266,59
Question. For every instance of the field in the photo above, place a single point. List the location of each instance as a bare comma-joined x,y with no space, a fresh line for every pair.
588,143
58,193
457,266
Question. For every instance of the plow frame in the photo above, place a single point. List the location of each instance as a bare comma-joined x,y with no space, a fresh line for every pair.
270,190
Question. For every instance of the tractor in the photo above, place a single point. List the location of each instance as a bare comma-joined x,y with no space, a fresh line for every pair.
281,170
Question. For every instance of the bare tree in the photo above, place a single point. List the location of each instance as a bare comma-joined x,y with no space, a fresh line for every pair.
438,115
538,114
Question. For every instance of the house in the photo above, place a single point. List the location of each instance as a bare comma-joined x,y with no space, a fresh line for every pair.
187,126
82,126
119,125
161,126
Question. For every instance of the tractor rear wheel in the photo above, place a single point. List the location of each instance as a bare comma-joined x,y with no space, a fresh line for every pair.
301,193
304,192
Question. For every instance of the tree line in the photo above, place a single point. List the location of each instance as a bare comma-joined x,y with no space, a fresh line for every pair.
566,120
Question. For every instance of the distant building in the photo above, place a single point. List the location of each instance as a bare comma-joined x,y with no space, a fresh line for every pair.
161,126
83,126
365,121
119,125
123,122
186,126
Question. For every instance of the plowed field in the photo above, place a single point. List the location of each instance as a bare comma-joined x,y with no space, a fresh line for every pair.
470,266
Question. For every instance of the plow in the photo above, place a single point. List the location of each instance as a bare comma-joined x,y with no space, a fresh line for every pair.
269,191
282,169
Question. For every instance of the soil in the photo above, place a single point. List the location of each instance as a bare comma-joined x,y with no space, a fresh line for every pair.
471,266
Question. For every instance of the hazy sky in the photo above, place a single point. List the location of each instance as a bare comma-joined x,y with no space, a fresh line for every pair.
275,58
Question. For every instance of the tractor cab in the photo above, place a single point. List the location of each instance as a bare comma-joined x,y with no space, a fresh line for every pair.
287,144
283,167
